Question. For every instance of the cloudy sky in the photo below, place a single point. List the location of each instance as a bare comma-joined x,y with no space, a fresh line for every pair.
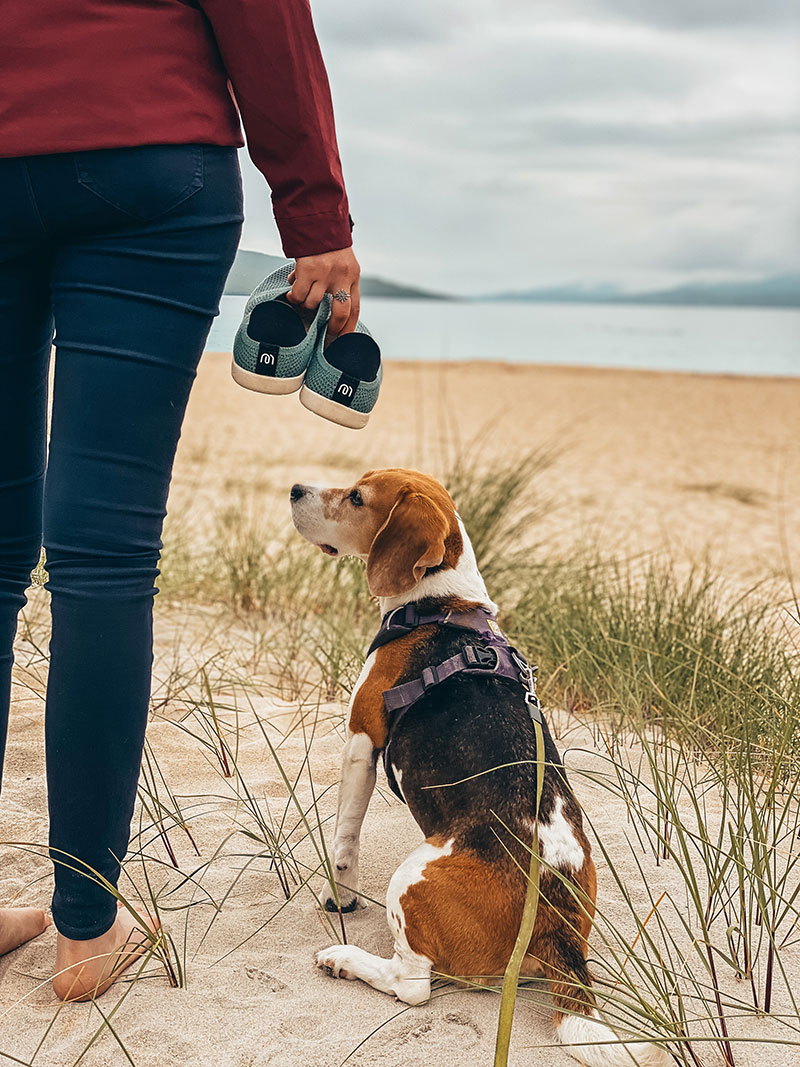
503,144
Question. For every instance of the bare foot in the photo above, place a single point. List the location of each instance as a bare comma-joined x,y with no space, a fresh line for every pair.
86,969
18,925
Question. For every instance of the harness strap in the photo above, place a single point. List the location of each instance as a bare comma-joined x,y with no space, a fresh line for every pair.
408,617
493,657
472,659
500,661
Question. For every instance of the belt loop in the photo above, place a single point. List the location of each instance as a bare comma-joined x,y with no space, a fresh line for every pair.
430,676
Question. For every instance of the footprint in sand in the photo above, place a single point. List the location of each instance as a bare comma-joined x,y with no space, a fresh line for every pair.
418,1042
270,983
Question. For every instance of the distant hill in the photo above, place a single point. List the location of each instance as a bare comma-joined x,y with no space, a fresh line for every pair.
781,291
250,268
394,291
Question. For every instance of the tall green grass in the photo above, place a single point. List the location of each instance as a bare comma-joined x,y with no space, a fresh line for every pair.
666,645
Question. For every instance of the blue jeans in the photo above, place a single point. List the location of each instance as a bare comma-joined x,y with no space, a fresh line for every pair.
126,252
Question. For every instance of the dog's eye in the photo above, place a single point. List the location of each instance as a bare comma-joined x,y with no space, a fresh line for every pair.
356,499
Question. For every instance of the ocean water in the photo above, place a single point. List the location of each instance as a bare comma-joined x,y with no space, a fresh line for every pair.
704,340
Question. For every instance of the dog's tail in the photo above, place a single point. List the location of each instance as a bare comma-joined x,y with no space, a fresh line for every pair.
577,1022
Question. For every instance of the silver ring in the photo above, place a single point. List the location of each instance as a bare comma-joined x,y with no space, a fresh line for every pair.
342,296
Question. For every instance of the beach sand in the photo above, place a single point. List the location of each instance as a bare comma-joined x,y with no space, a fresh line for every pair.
645,461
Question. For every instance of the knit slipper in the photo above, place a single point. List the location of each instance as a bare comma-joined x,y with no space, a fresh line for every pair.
343,380
275,340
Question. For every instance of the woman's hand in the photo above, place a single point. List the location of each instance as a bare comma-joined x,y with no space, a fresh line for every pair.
330,272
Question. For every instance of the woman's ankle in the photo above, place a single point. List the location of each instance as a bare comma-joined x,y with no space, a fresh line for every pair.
87,968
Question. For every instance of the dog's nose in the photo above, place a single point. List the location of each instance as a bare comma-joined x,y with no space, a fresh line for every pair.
297,493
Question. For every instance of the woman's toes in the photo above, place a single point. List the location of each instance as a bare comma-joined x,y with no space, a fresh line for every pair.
18,925
86,969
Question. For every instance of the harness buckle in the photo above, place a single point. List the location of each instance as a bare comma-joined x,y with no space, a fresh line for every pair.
484,656
398,616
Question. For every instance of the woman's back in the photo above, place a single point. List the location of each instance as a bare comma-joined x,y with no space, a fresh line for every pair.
139,72
135,72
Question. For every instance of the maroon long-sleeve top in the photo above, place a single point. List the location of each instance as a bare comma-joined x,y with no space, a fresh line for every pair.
85,74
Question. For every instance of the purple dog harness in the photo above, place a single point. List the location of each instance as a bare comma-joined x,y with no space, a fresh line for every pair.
491,654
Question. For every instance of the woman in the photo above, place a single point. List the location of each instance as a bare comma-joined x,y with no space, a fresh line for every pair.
120,214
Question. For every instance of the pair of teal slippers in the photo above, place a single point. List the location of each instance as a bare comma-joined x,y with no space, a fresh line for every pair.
280,348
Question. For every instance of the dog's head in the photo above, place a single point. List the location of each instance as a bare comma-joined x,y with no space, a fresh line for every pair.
403,523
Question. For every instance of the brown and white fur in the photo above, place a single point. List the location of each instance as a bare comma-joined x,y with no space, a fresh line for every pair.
454,905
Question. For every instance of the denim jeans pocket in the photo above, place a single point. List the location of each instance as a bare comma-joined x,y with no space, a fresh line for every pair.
144,181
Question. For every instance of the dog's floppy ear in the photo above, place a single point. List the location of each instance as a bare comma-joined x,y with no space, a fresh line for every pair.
410,541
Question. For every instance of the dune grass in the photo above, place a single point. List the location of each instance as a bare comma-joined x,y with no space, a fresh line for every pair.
690,687
675,647
640,641
718,857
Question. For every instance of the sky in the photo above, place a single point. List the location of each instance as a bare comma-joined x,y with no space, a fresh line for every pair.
495,145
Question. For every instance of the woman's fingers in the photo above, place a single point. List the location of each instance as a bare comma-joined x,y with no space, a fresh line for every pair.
341,310
329,272
315,295
352,310
301,286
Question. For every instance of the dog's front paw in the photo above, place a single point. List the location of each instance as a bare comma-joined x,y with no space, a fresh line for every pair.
335,960
348,899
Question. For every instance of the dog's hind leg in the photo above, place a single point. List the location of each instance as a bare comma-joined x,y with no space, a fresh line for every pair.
407,975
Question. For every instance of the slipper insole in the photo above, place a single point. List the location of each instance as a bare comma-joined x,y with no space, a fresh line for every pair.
355,354
276,323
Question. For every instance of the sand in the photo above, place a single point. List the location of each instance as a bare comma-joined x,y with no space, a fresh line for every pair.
646,458
646,461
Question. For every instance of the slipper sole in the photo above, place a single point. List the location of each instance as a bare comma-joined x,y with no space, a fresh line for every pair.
261,383
333,412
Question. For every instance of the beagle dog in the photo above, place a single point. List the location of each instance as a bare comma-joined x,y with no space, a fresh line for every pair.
463,757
